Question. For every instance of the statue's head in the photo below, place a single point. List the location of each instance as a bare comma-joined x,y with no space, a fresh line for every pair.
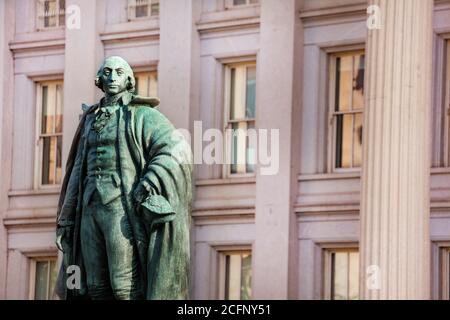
115,76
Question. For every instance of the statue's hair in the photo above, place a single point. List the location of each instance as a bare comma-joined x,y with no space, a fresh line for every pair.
128,72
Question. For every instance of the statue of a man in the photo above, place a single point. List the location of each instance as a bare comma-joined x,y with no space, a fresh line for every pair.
123,214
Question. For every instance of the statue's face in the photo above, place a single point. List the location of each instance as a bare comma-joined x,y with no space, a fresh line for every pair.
114,77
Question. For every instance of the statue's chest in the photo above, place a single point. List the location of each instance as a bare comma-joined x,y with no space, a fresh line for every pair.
103,132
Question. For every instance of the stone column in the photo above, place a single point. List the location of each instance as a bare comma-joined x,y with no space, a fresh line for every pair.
83,55
395,205
7,19
279,74
179,60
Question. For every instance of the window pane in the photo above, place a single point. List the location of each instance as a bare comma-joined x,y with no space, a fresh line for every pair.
251,148
45,279
155,7
62,12
448,273
246,276
146,84
153,84
232,92
41,282
237,94
142,85
234,276
58,174
50,13
49,100
49,160
238,276
344,275
358,83
353,276
344,82
250,92
357,140
136,84
344,137
340,267
238,2
238,147
53,276
141,8
59,109
46,121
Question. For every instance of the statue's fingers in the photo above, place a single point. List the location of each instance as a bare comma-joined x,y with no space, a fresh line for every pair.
58,244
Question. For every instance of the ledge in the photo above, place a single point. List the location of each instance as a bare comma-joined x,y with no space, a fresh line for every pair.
320,16
34,192
317,209
227,181
130,35
229,19
29,222
34,45
329,176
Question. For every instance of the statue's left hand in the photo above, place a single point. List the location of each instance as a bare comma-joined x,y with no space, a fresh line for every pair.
140,194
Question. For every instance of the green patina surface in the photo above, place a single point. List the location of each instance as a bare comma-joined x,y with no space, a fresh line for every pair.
124,209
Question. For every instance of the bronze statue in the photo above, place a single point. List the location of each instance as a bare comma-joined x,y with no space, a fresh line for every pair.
124,209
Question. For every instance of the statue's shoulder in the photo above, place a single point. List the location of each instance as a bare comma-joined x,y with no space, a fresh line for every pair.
88,108
146,106
142,101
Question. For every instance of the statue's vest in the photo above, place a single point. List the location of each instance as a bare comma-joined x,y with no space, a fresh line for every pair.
102,170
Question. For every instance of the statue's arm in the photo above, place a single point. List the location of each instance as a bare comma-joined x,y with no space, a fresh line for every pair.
155,132
71,196
167,167
68,210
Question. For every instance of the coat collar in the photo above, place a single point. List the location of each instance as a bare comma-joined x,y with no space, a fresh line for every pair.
124,100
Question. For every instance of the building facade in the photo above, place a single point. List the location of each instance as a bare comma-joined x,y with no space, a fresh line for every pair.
360,204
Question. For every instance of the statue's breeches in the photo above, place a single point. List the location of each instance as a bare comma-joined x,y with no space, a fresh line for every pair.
109,254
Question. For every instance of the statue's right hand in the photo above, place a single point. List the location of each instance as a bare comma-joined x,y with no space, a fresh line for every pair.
59,238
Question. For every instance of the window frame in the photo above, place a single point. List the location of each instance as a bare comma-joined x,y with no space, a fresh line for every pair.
327,276
40,16
150,71
226,168
332,55
38,170
131,10
446,142
229,4
444,272
221,268
33,260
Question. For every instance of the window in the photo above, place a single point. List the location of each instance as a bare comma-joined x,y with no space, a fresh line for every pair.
445,273
236,3
446,134
346,110
235,275
146,84
240,107
50,122
51,13
142,9
341,276
43,273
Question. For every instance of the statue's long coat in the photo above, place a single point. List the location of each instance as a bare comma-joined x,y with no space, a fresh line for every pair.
150,151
